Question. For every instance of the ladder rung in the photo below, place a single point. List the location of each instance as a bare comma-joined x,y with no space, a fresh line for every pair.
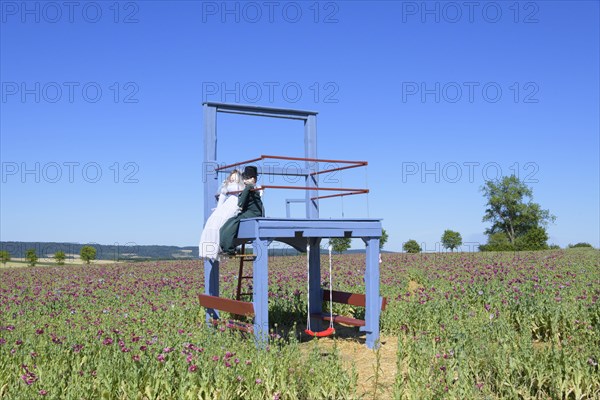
246,294
247,277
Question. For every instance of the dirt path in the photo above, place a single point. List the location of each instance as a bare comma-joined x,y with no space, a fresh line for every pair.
354,352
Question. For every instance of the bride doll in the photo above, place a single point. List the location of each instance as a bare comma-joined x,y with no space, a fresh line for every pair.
227,207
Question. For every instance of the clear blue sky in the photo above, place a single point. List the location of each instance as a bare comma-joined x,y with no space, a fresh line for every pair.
435,96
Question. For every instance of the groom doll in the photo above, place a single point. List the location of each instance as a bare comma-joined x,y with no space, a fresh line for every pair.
250,205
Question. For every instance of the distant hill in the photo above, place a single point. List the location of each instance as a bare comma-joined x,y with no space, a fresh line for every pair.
125,252
103,251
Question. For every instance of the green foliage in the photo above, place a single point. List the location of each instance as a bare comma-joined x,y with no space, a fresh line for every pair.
411,246
59,256
497,242
451,239
553,247
501,332
507,210
383,239
4,257
469,326
167,353
580,244
534,239
340,244
88,253
31,257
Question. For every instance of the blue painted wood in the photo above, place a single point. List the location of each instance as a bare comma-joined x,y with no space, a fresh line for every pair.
209,173
373,300
210,179
274,228
294,232
211,285
287,206
310,151
260,287
316,296
261,111
261,231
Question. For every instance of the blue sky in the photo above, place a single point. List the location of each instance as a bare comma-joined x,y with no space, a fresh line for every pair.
101,111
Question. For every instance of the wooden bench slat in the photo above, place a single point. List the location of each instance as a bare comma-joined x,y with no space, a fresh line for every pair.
228,305
233,324
353,299
340,319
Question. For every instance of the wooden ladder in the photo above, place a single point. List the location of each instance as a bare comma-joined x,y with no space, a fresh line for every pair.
243,257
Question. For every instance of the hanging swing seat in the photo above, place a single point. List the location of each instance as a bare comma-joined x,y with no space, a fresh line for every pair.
235,307
353,299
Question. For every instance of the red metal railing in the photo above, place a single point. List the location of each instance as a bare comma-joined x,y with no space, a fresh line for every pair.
347,191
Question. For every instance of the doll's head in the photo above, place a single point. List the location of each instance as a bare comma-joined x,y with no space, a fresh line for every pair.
234,177
234,182
250,174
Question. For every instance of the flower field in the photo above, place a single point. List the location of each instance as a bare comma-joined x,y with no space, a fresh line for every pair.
468,326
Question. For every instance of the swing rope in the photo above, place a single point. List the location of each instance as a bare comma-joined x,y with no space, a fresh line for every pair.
329,331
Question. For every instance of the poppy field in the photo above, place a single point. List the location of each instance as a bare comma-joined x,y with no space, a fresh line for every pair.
522,325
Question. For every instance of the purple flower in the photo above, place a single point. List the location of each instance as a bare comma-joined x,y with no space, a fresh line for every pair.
258,381
43,392
29,378
192,368
160,358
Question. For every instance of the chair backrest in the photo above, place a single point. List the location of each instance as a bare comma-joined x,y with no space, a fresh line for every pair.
230,306
353,299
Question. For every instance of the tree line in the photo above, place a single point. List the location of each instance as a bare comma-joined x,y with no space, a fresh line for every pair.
517,223
87,254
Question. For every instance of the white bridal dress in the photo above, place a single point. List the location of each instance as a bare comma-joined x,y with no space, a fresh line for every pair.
227,207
